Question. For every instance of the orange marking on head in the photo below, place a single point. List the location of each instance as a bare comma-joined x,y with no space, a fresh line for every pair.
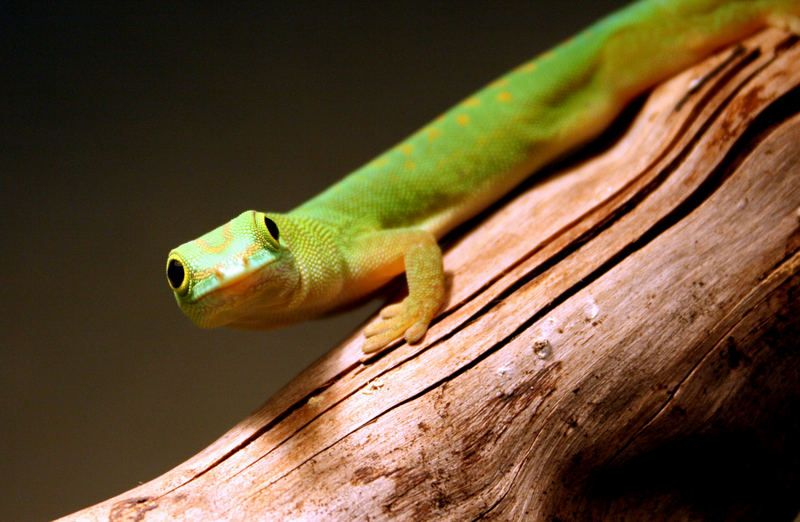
249,251
226,234
245,254
216,270
203,274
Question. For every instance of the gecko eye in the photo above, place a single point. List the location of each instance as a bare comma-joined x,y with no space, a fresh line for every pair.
272,228
176,275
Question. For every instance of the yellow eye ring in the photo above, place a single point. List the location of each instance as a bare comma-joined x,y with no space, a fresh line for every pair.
269,228
272,228
177,275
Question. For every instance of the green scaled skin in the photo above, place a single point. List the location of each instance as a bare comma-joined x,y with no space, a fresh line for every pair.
265,270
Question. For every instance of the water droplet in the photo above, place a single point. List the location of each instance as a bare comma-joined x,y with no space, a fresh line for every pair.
542,348
590,309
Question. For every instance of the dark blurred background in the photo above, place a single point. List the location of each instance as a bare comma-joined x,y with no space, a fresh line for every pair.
128,129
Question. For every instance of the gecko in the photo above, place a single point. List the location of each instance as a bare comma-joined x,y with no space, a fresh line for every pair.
264,270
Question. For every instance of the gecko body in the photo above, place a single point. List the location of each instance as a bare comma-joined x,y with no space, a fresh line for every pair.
265,270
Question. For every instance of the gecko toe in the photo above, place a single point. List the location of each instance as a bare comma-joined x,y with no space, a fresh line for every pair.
372,345
416,332
392,310
401,320
376,328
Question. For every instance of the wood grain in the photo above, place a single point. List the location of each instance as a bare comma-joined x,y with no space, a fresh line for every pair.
620,341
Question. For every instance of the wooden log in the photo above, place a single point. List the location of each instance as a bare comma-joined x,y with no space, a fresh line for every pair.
620,340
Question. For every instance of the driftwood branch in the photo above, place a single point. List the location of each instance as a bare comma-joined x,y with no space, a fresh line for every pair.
621,340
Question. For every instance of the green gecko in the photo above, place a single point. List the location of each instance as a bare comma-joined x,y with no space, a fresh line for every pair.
264,270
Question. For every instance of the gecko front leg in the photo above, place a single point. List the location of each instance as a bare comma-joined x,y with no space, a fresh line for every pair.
388,252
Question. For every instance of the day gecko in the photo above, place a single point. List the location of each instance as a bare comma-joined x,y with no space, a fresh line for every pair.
265,270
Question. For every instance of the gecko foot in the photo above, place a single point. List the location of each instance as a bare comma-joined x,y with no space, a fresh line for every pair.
408,319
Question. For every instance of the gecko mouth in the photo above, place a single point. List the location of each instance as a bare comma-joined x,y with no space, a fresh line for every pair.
229,304
246,287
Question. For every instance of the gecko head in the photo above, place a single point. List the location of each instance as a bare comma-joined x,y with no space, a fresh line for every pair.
240,274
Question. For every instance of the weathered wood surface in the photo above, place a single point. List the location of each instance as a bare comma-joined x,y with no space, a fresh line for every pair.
621,341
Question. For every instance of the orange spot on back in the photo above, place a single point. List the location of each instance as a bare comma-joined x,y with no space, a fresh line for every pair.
500,82
462,119
433,133
406,148
472,102
504,96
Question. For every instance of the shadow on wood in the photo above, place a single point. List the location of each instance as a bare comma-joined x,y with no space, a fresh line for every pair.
620,340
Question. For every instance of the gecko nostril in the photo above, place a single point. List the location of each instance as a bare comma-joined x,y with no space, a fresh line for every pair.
175,273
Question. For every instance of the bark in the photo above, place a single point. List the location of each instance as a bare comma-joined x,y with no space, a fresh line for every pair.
620,341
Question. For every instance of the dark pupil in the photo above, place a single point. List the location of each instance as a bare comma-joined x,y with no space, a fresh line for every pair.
271,227
175,273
